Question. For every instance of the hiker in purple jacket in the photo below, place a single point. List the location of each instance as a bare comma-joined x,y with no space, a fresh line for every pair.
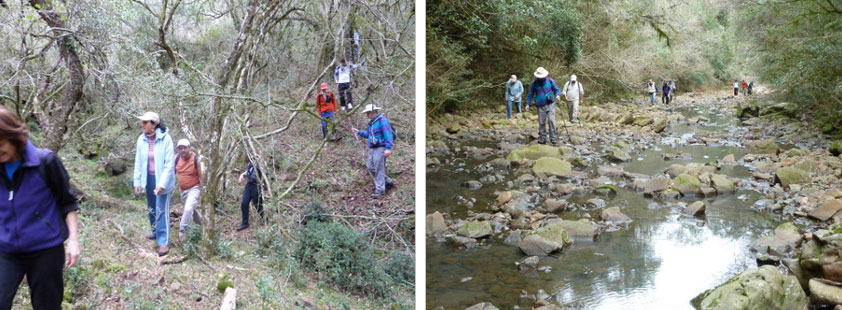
37,215
543,90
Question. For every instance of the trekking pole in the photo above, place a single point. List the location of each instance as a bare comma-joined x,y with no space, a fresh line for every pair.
565,125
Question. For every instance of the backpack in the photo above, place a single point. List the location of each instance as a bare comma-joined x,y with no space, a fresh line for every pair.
195,162
52,183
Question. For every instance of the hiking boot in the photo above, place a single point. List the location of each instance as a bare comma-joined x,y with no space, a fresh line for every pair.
376,195
163,250
151,236
243,226
542,142
391,184
554,142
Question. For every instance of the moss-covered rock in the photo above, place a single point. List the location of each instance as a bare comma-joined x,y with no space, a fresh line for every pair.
791,175
475,229
687,184
643,121
768,146
534,152
581,229
759,288
835,148
618,154
722,184
551,166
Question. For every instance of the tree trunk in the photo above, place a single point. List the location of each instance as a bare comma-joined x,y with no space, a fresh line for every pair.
55,115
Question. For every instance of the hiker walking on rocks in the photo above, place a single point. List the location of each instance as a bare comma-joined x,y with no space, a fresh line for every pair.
38,214
153,168
381,138
750,86
736,88
651,89
342,77
514,90
572,91
665,94
673,88
326,107
544,91
744,86
189,175
251,193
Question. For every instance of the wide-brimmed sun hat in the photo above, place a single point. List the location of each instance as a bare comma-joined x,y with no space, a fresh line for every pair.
541,72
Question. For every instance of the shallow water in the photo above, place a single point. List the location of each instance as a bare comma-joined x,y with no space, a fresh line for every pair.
660,261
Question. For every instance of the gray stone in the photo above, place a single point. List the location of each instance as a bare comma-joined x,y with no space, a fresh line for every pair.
435,224
826,210
472,184
475,229
695,209
482,306
536,245
555,205
825,293
654,186
465,242
613,215
529,263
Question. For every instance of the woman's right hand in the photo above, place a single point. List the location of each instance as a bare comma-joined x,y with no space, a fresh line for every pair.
138,190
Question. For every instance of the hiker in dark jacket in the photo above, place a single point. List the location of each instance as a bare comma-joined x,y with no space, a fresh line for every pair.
37,215
665,93
251,194
750,86
381,138
542,91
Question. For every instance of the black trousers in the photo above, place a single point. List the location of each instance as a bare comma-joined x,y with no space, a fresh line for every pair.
43,270
343,89
251,194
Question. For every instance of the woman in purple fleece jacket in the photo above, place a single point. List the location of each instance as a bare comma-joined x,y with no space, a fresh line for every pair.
37,215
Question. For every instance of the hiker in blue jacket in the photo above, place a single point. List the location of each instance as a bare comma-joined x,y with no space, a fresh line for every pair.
381,138
542,91
154,172
37,215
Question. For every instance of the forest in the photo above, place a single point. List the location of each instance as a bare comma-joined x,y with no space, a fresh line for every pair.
793,47
238,79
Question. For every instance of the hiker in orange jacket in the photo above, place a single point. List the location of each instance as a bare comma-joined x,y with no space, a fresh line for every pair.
326,106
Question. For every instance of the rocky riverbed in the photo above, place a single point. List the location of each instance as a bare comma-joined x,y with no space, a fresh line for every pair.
640,207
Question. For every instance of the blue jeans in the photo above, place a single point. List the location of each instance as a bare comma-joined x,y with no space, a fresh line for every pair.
652,98
158,211
509,104
326,115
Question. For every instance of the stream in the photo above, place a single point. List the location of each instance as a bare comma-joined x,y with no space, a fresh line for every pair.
661,260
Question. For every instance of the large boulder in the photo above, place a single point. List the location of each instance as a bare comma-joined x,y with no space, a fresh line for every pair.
768,146
613,215
578,230
783,109
435,224
760,288
475,229
535,245
551,166
791,175
825,293
687,184
722,184
617,154
749,109
660,125
534,152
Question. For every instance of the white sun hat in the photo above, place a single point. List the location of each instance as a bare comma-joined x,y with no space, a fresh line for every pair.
150,116
541,72
572,77
370,107
183,142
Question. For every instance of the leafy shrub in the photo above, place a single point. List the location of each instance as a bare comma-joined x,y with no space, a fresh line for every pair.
341,256
401,268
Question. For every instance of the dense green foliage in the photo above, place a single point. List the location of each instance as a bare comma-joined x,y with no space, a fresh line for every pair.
473,44
613,46
799,51
340,255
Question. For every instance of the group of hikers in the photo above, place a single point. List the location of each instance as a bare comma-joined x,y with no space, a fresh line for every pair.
667,91
743,87
544,92
40,213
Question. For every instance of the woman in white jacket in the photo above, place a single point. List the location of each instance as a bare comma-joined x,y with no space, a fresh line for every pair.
153,168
